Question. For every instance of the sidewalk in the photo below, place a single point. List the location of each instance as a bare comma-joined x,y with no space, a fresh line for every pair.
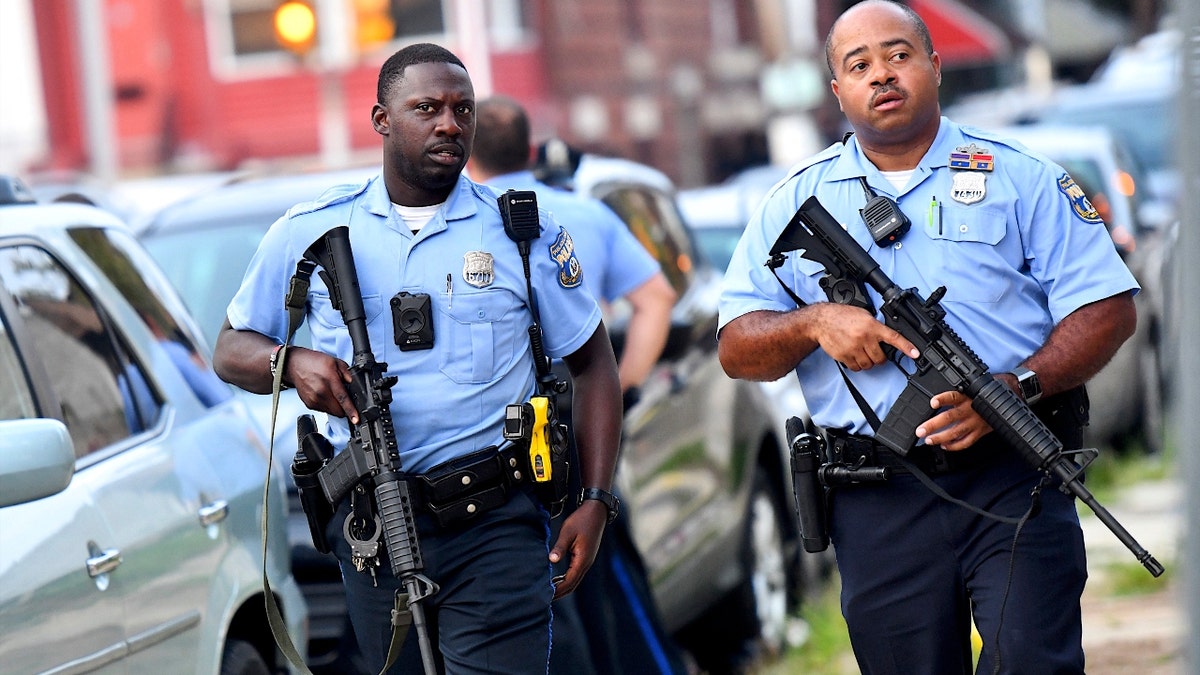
1138,634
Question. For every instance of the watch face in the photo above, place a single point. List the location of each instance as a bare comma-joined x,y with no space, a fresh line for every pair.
1031,387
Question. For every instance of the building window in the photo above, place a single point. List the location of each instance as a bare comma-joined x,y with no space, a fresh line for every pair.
241,33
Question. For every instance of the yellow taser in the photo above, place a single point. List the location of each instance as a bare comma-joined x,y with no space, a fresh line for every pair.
539,442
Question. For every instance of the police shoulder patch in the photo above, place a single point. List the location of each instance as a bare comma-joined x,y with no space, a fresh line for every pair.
1079,201
562,252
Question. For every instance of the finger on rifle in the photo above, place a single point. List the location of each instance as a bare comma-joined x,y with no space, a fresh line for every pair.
342,393
895,339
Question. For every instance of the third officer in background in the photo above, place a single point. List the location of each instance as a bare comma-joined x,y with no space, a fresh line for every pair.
605,626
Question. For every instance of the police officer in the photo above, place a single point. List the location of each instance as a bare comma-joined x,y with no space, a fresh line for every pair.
606,626
423,228
1035,286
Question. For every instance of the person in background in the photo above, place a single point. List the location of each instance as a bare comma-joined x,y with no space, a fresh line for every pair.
423,229
610,624
1033,284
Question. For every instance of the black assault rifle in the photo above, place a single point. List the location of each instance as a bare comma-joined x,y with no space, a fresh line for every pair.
945,361
372,451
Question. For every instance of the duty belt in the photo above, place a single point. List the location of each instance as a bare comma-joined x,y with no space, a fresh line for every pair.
932,460
464,488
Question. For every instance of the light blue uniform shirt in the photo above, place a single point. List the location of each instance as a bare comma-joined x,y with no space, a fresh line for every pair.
449,401
1027,253
616,262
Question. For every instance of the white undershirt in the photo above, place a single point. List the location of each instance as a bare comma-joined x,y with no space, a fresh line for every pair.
415,217
898,179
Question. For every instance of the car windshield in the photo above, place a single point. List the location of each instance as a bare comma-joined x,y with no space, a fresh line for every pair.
206,265
717,243
1149,143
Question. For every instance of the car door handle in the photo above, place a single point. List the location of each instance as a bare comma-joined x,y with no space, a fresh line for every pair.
213,512
104,563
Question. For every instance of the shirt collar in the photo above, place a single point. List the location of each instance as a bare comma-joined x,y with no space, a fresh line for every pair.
851,163
459,203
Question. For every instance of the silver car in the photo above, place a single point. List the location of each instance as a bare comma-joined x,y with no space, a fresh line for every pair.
131,479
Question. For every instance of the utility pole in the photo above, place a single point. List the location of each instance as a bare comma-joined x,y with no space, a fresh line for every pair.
1184,420
100,130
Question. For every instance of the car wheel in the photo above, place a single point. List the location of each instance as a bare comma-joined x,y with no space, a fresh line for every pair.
751,619
241,658
766,568
1153,416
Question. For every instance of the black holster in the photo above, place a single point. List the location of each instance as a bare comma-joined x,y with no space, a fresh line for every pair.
312,452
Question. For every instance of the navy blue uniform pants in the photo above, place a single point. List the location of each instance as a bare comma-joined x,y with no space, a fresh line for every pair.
491,613
915,569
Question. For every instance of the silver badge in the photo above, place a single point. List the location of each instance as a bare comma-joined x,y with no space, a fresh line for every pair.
968,187
479,268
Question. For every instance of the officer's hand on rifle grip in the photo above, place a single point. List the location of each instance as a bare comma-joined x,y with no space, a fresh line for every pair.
321,380
957,427
853,337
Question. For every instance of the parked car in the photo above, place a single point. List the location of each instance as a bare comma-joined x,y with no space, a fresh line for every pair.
704,470
1143,115
204,244
1127,395
131,479
717,215
704,460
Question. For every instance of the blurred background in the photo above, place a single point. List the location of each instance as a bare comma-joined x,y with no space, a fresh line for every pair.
129,88
162,111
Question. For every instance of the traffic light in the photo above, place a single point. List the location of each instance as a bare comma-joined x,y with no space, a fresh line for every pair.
373,24
295,26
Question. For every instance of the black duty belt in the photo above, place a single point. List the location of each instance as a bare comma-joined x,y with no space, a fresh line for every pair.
930,459
464,488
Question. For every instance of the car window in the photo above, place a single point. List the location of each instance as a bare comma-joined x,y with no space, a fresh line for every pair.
718,243
206,264
16,399
102,394
121,259
654,220
1150,143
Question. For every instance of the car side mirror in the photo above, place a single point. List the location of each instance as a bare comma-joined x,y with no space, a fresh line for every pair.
38,460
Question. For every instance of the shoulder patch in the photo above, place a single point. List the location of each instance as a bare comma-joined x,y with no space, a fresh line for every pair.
562,252
1079,201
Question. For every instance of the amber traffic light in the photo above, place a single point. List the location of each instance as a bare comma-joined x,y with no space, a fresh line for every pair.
295,26
373,23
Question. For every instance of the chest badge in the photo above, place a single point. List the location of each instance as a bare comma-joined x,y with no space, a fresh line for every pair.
479,268
968,187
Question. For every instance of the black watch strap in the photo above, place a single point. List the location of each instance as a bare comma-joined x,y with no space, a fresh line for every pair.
607,498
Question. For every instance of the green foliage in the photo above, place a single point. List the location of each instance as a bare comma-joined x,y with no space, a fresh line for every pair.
1114,470
827,649
1131,578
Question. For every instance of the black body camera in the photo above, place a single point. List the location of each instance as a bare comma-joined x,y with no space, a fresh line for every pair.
412,321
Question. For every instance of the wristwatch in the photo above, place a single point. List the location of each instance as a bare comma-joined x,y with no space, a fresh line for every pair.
607,498
1030,385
